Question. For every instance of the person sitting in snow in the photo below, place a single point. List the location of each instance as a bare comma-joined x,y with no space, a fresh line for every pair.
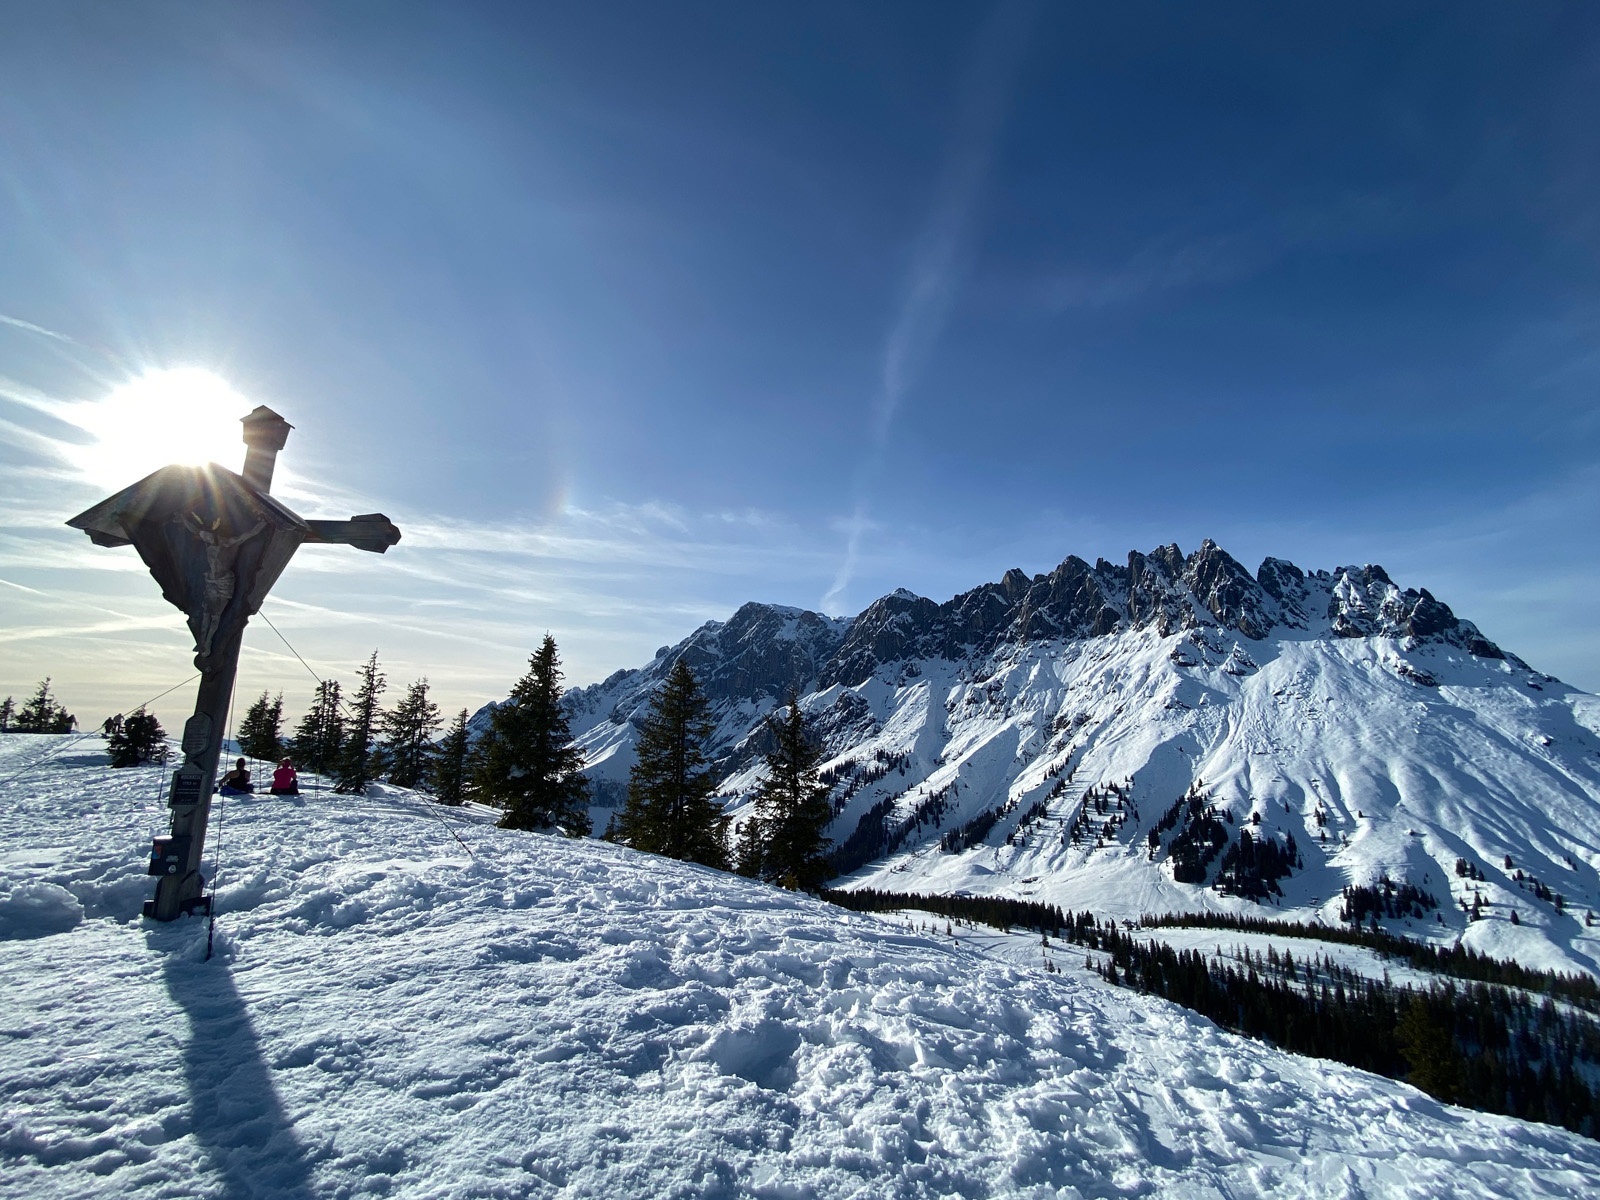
284,781
237,781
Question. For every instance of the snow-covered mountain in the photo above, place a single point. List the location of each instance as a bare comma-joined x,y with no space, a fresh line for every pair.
1172,734
389,1015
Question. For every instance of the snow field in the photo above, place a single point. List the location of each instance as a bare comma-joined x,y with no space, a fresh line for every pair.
385,1015
1407,778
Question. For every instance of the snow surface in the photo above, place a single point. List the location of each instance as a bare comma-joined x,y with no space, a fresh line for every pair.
1407,779
386,1015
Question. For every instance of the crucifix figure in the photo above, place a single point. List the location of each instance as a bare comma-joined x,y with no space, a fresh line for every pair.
216,542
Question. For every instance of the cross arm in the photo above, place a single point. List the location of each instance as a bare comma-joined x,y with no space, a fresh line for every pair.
371,531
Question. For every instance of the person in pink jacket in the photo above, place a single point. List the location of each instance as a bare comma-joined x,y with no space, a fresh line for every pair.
284,781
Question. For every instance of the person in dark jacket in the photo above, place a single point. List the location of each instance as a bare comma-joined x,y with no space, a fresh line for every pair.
237,781
284,780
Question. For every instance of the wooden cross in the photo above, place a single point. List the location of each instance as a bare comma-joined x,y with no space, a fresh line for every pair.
216,542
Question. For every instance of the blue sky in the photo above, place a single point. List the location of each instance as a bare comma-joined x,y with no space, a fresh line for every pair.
628,313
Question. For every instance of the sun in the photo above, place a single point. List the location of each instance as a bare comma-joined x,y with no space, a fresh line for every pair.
171,415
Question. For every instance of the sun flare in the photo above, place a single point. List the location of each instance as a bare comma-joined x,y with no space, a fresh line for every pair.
172,415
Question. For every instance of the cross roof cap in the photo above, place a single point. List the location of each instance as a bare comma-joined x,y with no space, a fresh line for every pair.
265,429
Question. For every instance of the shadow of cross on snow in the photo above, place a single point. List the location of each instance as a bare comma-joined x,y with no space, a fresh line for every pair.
236,1113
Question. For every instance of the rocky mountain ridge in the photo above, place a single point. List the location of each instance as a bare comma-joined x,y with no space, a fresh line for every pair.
1171,735
762,651
1162,590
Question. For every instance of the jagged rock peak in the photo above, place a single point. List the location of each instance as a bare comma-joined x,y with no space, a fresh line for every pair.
1365,602
1164,590
763,650
757,654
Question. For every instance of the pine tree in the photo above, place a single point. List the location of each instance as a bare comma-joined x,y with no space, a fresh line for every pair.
526,763
33,715
261,730
448,771
408,736
792,807
1423,1036
137,739
319,737
358,764
8,713
748,847
669,808
41,714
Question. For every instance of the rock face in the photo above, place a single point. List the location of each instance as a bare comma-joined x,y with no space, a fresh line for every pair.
753,658
1128,737
749,663
1162,590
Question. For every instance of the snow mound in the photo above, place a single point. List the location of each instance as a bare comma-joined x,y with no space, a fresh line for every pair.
32,910
386,1015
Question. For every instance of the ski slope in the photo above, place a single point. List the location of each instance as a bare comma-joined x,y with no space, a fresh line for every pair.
387,1015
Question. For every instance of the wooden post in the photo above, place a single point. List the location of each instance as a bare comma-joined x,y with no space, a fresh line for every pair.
216,542
176,859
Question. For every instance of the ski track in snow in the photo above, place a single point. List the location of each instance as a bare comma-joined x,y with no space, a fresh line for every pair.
386,1016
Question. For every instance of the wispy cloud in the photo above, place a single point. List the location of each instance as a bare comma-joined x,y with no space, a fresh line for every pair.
1165,266
942,245
30,327
1194,256
458,600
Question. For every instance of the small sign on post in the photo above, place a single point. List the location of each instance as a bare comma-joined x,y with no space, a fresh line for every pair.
216,542
196,733
186,788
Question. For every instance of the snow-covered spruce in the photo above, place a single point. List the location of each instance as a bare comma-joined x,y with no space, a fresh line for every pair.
386,1016
1040,729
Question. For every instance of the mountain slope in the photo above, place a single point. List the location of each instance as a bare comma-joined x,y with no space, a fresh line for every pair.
1029,737
388,1016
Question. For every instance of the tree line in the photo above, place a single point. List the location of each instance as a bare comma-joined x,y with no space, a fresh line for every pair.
1479,1044
41,713
1487,1044
523,762
671,808
1458,961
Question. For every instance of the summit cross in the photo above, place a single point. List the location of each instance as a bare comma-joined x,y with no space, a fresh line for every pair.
216,541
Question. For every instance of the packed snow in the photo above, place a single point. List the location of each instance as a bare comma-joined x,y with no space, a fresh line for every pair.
389,1013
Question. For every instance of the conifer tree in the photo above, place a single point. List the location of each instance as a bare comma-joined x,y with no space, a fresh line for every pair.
526,762
408,732
358,762
261,729
319,737
748,858
1424,1038
40,706
137,739
41,714
791,808
448,771
669,809
8,713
